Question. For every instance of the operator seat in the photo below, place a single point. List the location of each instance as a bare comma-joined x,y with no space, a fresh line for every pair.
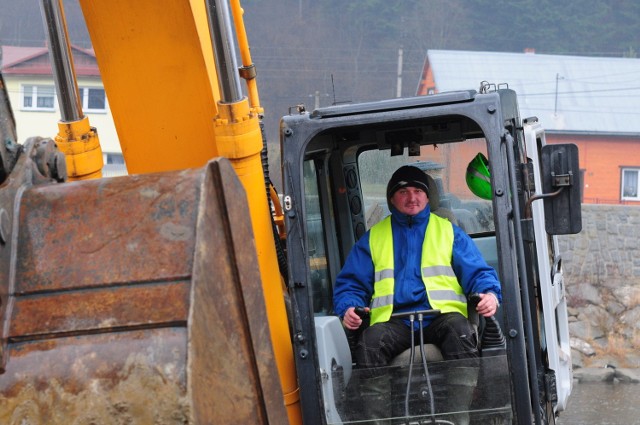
434,201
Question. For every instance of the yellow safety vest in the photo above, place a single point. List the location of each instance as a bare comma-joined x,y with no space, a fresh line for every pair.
443,290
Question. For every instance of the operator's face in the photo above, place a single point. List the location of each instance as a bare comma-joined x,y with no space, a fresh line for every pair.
409,200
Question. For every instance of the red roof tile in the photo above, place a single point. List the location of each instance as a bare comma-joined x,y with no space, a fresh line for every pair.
18,60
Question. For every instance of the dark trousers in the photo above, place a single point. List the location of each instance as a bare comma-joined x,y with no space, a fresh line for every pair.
377,345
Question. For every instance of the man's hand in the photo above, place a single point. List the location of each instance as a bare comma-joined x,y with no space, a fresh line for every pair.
351,320
488,304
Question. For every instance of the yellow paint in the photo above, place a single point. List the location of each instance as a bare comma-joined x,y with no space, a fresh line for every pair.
278,215
239,139
81,146
155,75
245,53
202,26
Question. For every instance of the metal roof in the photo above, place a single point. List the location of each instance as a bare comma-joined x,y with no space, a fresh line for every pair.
567,93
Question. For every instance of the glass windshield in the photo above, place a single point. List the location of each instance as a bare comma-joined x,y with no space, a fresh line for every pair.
445,392
449,197
315,242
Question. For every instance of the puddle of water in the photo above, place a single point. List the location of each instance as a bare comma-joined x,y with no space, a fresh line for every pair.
602,404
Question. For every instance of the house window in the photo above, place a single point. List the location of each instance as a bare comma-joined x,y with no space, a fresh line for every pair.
38,98
93,99
113,165
630,183
113,158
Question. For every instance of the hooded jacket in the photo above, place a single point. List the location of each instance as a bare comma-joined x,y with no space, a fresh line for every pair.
354,283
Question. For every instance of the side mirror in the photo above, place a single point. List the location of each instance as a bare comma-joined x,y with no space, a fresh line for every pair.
561,188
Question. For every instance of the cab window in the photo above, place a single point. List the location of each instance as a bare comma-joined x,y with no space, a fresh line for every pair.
449,195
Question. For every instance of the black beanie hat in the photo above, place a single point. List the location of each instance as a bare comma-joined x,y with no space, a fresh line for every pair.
405,176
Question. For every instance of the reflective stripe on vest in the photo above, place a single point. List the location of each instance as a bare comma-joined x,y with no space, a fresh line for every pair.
443,290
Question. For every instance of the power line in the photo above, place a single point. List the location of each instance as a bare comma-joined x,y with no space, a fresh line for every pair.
583,91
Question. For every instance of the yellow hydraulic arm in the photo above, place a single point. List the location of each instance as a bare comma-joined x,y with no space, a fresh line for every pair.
175,108
76,138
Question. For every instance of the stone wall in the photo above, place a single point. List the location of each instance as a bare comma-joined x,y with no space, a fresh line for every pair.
607,251
602,278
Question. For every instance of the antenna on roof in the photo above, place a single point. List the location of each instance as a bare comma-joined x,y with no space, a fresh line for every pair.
555,106
333,89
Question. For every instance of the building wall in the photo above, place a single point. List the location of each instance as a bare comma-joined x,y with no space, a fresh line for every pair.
602,159
45,124
427,83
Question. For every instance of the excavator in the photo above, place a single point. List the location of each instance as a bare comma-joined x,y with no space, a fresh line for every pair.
190,292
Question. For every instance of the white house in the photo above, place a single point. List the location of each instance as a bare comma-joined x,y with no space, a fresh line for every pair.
29,81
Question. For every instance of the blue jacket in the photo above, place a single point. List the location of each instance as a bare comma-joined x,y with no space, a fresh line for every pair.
354,284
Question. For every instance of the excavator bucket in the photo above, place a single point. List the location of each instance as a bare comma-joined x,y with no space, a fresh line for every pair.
134,300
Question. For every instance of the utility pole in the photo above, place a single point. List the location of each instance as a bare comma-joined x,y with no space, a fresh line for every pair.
399,84
317,98
555,106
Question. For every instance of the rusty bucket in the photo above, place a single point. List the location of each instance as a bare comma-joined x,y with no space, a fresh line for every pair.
135,300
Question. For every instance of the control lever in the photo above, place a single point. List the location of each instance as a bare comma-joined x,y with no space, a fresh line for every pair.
354,335
361,312
412,317
493,342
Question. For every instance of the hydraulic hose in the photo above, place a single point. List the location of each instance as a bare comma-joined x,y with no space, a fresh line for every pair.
264,156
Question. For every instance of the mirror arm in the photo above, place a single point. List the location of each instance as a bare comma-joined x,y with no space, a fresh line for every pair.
527,207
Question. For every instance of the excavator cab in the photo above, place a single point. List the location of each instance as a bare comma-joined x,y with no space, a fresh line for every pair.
336,163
